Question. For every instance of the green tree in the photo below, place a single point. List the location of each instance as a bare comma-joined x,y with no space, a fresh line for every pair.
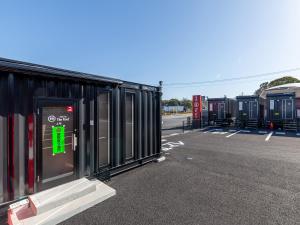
276,82
174,102
187,103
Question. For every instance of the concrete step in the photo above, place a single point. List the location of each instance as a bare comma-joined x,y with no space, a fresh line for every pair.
54,197
62,207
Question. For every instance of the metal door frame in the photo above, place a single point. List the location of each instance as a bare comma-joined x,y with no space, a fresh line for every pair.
221,103
110,129
135,106
43,102
284,103
250,107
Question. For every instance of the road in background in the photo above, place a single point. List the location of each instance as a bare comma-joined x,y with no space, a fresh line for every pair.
173,123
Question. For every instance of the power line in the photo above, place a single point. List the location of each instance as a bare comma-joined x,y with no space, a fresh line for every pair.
182,84
214,84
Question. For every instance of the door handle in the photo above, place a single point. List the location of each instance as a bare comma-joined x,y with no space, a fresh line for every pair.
74,142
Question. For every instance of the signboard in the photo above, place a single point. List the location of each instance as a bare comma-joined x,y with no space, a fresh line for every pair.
58,139
240,106
298,113
197,107
271,104
210,107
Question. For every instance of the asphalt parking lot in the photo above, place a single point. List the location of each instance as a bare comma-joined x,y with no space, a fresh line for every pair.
209,178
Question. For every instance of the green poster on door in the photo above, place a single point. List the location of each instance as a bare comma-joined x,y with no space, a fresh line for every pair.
58,140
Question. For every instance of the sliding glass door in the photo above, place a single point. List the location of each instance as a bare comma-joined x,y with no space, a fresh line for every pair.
103,134
129,125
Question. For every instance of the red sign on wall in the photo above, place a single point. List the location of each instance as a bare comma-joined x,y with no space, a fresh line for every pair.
69,108
197,107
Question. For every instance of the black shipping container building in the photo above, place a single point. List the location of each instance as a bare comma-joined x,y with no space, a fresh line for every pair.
250,111
281,111
58,125
221,111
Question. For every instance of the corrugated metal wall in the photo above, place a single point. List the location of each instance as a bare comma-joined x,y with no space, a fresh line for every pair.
3,136
18,120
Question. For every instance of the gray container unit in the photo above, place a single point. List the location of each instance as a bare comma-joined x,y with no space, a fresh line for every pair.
250,111
281,111
204,114
58,125
221,111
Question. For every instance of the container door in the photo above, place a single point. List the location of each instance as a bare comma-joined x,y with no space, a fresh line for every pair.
57,143
287,108
130,125
103,128
253,110
221,111
275,109
246,108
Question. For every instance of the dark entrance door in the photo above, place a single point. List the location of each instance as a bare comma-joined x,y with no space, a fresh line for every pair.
103,128
253,110
287,109
221,111
275,109
57,142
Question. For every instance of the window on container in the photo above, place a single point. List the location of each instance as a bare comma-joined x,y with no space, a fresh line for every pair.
130,124
151,123
103,129
146,124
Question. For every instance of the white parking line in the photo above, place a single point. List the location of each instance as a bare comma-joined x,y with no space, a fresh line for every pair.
162,140
269,136
170,135
228,136
280,133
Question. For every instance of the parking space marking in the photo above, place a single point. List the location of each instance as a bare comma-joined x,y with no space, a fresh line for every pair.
232,130
280,133
269,136
162,140
228,136
219,132
170,135
170,145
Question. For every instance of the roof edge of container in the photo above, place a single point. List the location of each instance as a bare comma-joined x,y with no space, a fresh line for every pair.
281,94
10,64
247,96
222,98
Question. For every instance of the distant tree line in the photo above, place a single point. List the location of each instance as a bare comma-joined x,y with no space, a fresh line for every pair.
276,82
176,102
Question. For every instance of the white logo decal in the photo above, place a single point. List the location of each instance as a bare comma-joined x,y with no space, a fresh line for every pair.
51,118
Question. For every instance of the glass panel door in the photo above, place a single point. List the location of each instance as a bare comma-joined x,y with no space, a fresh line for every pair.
276,109
221,111
57,143
103,128
253,110
287,108
129,124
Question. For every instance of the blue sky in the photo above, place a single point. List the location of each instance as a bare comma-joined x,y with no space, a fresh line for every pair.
151,40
